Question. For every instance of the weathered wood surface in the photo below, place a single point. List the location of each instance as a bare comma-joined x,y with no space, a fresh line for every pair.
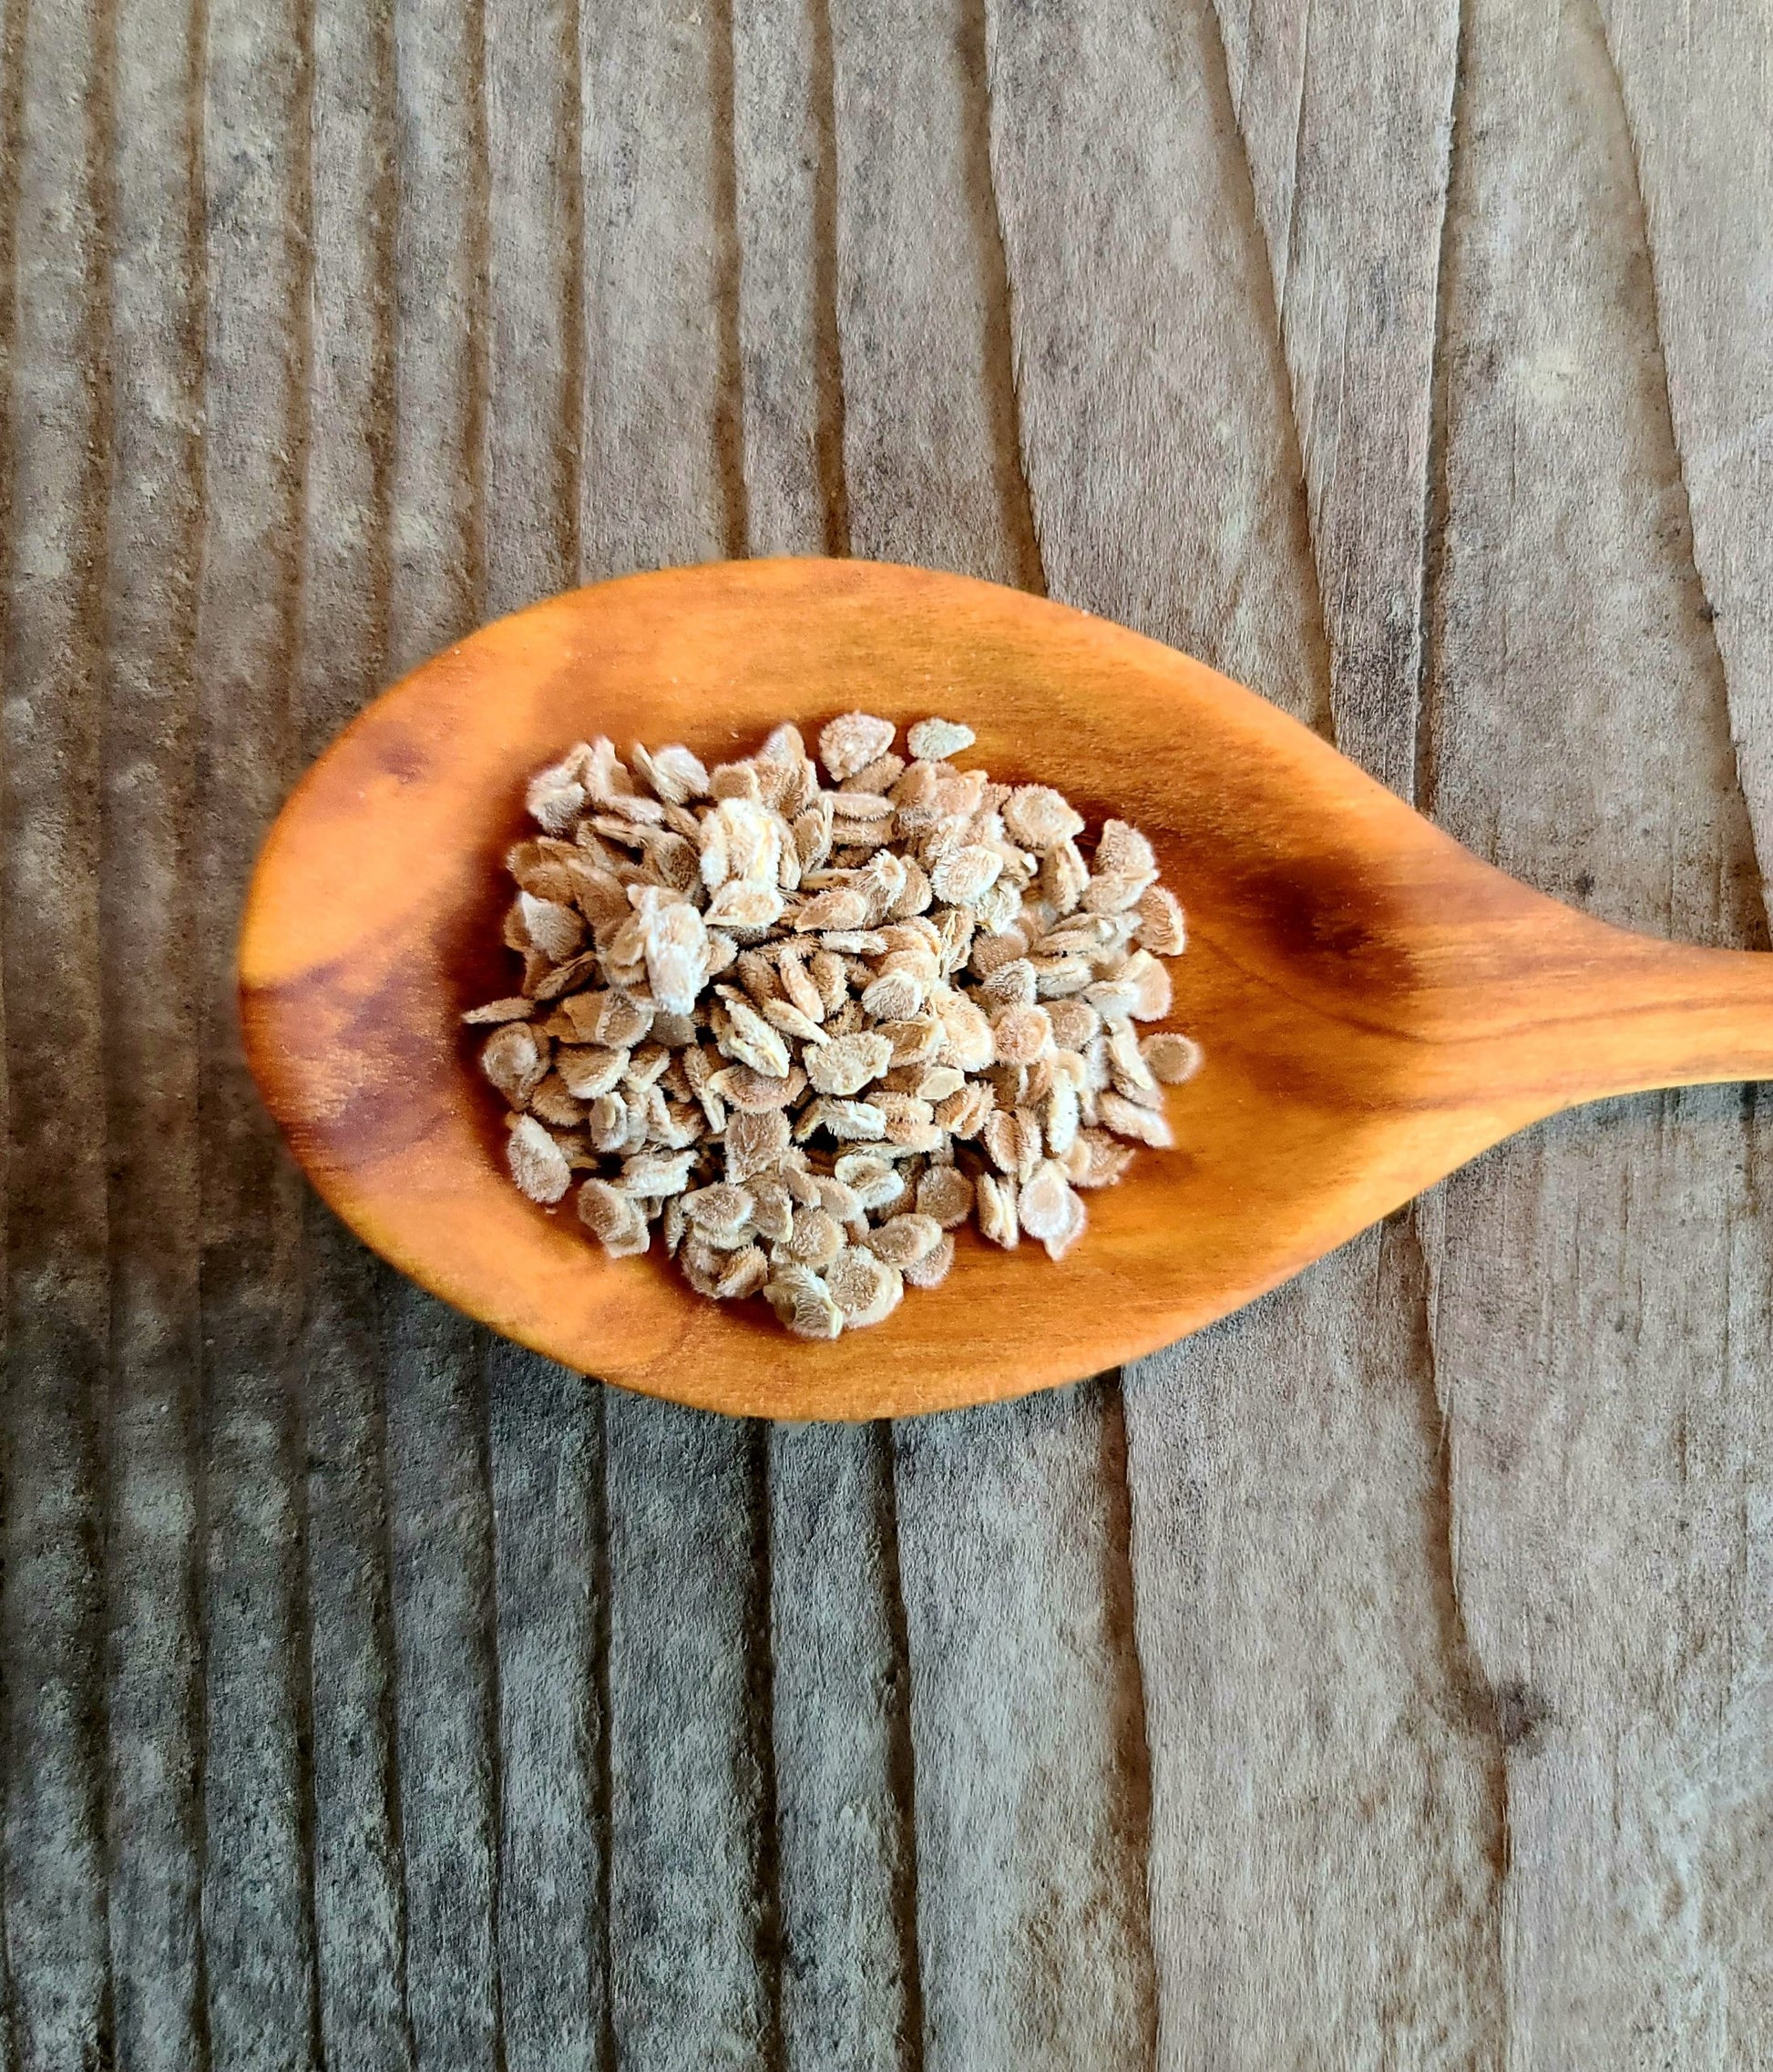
1383,1677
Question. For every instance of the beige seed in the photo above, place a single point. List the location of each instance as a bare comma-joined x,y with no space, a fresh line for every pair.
945,1195
515,1059
1022,1034
798,986
1161,927
745,1272
1040,817
853,808
851,741
870,1179
866,1288
1171,1058
965,1113
842,906
750,1039
673,773
1144,1125
880,775
934,741
1043,1206
850,1122
932,1269
588,1070
1013,984
895,996
774,1210
966,874
816,1239
657,1172
553,1103
1074,1022
720,1207
846,1063
786,1016
538,1164
1149,981
801,1301
902,1240
997,1211
756,1142
741,903
607,1212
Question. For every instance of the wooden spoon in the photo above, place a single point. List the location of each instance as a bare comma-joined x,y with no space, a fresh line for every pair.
1376,1005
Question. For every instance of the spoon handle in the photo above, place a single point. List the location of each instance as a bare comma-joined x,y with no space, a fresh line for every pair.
1632,1013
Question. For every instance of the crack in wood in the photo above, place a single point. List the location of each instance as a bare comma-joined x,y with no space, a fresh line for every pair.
1432,561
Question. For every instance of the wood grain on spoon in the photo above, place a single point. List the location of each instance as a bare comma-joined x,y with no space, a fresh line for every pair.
1376,1005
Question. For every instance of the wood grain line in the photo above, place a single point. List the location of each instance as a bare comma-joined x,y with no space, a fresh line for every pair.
195,382
473,315
360,1908
1002,389
300,203
1430,630
569,433
492,1720
147,908
98,1410
440,1499
760,1704
1283,262
608,2057
1470,1692
52,1391
828,435
729,422
1132,1783
545,1425
256,1769
901,1760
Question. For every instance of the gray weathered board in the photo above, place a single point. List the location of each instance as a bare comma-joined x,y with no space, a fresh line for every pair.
1382,1678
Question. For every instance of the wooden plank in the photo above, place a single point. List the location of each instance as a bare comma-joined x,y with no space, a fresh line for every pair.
930,436
147,916
839,1696
57,1223
1028,1753
257,1913
1308,1702
545,1443
359,1904
1695,85
1350,210
1189,394
534,375
1031,1770
440,1500
546,1453
693,1959
851,1991
1601,1287
785,181
692,1944
664,476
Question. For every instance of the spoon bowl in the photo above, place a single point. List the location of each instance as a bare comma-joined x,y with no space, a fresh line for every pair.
1376,1005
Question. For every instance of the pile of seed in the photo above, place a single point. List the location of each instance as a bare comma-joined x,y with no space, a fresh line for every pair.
809,1022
